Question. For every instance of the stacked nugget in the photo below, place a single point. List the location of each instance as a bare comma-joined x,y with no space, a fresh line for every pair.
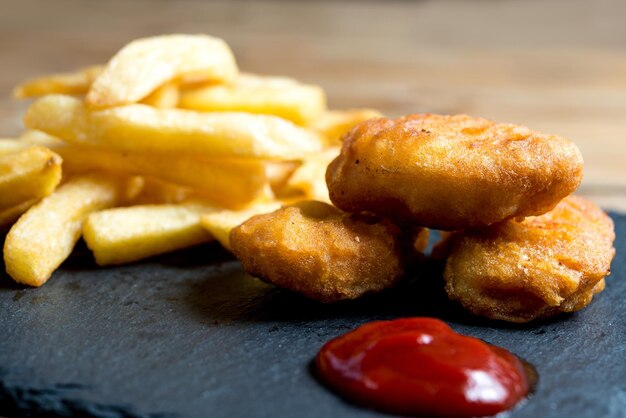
328,255
519,245
522,247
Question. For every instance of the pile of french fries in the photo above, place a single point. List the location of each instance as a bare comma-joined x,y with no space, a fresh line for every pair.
165,147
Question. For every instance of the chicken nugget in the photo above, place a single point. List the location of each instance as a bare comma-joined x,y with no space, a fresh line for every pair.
519,271
317,250
451,172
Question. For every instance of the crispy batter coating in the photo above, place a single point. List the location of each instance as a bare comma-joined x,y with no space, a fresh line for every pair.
317,250
519,271
451,172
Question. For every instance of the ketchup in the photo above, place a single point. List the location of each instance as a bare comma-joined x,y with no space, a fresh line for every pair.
420,366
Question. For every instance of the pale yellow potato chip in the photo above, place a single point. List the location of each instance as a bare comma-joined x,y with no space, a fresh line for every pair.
28,173
164,97
280,96
36,137
8,216
231,183
278,172
334,124
221,222
141,128
76,83
45,235
310,177
145,64
157,191
10,145
123,235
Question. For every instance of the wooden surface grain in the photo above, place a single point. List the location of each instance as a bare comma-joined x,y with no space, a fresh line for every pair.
557,66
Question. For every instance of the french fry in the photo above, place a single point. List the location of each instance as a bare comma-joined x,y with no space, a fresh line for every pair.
141,128
278,172
10,215
310,177
228,183
76,83
28,173
45,235
156,191
9,145
174,112
280,96
145,64
220,223
164,97
124,235
35,137
335,123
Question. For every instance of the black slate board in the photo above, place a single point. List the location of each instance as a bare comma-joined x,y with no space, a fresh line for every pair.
190,335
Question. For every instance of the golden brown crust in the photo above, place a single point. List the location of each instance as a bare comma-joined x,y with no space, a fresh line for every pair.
519,271
451,172
321,252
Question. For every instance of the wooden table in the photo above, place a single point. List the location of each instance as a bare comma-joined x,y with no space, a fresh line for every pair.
556,66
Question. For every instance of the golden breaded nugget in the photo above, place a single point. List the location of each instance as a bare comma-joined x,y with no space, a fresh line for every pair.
519,271
321,252
451,172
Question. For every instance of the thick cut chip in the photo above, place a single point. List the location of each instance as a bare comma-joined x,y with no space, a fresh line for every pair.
10,215
10,145
141,128
317,250
309,178
26,174
221,222
519,271
123,235
46,234
35,137
278,172
144,65
156,191
231,183
334,124
280,96
451,172
165,97
76,83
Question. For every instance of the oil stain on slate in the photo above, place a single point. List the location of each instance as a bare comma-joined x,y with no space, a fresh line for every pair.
190,335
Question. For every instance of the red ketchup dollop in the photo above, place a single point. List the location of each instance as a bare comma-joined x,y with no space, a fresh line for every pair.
420,366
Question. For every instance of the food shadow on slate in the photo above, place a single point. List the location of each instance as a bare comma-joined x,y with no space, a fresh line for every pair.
236,297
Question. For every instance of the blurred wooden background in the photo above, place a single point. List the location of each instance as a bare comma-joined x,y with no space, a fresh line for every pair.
555,65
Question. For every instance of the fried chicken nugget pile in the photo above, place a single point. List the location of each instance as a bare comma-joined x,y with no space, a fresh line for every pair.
519,271
517,253
327,255
451,172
